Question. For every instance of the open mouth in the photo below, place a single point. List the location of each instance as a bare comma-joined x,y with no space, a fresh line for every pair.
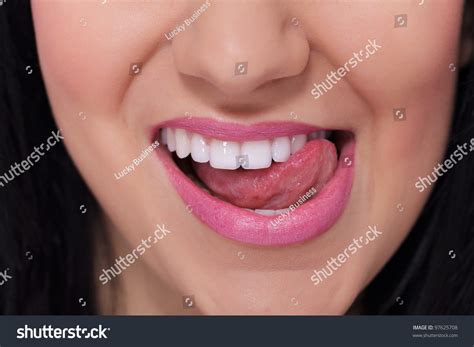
264,184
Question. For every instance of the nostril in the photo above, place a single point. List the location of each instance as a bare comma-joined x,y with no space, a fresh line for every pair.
239,48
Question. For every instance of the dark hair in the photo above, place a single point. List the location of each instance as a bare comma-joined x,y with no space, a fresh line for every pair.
433,271
40,211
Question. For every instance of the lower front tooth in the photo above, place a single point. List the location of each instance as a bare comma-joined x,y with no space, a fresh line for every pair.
265,212
224,155
272,212
282,211
258,154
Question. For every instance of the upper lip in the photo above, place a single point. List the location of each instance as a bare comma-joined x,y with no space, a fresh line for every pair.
226,131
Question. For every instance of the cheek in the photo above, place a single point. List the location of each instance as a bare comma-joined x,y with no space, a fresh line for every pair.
87,49
411,58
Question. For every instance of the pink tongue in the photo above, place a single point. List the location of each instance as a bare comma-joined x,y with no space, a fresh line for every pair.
278,186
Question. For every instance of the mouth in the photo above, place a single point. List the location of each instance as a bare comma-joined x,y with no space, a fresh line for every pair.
267,184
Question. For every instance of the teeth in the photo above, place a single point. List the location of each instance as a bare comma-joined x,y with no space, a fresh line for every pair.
265,212
321,134
271,212
282,211
258,154
171,140
224,154
164,138
183,145
199,149
281,149
230,155
297,142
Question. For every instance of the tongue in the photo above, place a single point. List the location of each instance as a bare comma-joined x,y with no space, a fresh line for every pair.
278,186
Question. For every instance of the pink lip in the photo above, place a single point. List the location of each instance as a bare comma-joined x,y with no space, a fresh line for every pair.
306,222
236,132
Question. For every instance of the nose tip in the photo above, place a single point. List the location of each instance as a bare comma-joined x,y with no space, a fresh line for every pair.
239,48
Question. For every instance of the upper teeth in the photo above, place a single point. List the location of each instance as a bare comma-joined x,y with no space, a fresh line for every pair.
230,155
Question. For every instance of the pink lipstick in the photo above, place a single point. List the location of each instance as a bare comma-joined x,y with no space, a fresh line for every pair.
267,184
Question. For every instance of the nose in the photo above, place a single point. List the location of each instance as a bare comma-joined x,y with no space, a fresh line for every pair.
239,46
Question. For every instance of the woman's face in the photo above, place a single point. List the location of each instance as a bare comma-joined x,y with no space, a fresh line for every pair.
247,83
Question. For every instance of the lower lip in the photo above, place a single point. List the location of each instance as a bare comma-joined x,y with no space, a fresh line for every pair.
305,222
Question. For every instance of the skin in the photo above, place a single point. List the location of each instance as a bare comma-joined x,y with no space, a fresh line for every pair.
86,49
